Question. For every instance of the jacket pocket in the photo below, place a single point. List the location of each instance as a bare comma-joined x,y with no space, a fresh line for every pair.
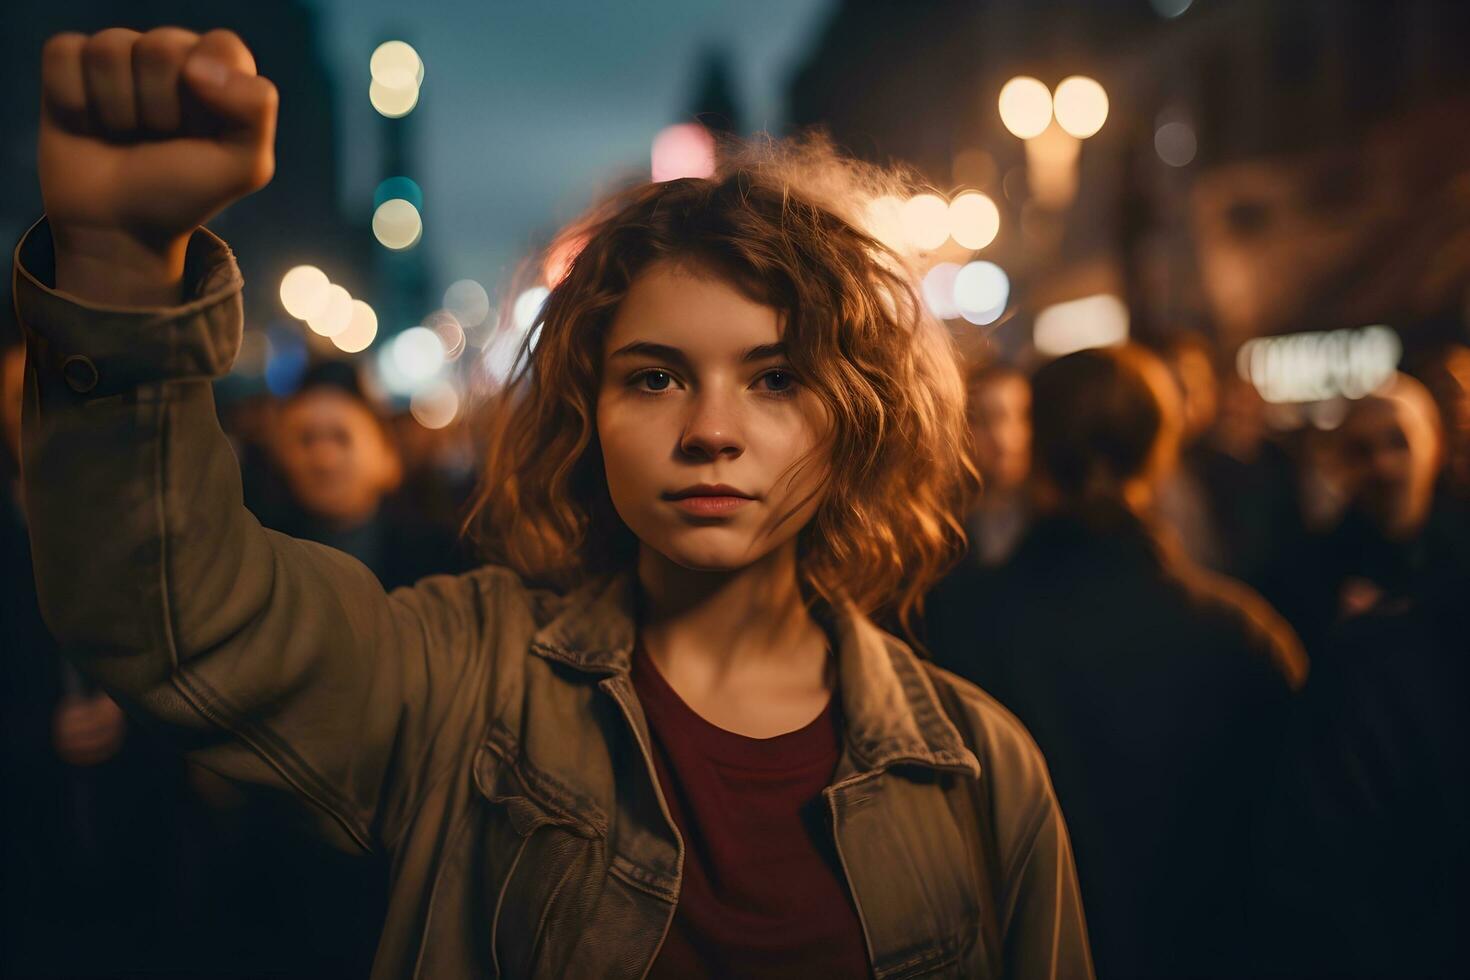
538,857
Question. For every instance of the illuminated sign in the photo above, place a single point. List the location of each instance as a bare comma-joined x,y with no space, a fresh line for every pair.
1313,367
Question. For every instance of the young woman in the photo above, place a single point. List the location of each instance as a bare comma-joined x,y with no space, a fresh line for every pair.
662,736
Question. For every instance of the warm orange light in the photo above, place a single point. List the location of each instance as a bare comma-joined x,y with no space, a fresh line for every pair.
1025,106
1081,106
974,220
926,221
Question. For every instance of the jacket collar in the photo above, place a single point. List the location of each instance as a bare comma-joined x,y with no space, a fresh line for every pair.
890,709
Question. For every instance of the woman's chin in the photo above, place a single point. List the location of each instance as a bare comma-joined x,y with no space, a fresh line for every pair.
710,556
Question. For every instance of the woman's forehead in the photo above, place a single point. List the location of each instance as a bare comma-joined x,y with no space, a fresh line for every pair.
694,310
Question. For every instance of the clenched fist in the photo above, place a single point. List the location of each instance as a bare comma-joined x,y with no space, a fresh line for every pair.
143,138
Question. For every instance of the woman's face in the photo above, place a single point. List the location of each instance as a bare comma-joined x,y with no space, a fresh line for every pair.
695,391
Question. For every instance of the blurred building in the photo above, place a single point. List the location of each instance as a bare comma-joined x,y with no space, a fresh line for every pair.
1265,166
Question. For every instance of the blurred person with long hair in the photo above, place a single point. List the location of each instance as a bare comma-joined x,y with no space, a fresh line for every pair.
1401,534
660,735
1369,855
1157,690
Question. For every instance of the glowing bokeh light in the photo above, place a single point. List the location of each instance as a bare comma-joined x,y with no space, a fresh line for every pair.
1025,106
938,290
500,355
884,220
468,301
683,150
411,360
1311,367
392,102
1080,324
447,328
1175,143
527,308
435,406
1081,106
304,291
974,220
362,329
981,291
396,65
334,315
397,224
926,221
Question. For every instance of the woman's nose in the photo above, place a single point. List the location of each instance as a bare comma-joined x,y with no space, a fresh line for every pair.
712,429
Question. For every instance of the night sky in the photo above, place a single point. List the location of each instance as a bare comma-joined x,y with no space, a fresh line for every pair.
527,109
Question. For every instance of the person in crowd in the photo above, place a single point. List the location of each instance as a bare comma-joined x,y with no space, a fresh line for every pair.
94,831
343,469
1182,500
1368,851
1401,536
998,404
1158,691
1250,483
661,736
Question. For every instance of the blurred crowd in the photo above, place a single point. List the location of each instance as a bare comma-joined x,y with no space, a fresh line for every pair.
1241,650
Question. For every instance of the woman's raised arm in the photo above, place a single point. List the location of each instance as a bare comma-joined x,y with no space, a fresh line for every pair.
275,660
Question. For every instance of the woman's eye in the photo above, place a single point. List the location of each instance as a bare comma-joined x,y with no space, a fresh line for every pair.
656,380
781,382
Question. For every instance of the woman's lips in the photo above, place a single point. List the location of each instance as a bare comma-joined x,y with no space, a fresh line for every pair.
707,506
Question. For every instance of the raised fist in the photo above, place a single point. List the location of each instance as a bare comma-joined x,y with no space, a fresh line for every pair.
146,136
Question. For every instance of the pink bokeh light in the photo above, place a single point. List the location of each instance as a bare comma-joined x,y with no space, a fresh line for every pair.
683,150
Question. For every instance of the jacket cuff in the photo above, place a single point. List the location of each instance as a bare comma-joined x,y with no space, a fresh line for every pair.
102,350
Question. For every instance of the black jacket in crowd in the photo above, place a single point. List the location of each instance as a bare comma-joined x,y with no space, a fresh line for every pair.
1159,694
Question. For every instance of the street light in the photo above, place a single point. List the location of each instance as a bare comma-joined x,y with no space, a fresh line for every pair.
1081,106
1025,106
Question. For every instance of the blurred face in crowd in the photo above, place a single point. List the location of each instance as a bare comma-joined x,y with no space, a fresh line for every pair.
693,393
1000,429
335,455
1195,376
1391,448
1240,427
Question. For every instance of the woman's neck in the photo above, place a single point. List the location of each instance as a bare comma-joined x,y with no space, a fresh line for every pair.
730,634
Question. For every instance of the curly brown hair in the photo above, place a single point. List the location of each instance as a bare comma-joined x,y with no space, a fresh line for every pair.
783,222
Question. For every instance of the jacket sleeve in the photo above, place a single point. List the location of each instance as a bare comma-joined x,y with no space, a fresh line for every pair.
273,660
1046,932
1043,927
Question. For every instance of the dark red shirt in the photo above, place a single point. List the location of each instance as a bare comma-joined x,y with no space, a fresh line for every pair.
763,892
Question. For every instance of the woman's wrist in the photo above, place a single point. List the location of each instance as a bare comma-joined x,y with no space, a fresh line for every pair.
112,267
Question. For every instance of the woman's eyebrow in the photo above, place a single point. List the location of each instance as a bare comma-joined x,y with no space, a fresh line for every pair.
645,348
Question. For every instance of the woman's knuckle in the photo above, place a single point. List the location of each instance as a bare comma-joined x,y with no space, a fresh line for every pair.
62,47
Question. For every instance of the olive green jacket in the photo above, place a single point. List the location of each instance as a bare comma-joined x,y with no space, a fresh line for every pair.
482,734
